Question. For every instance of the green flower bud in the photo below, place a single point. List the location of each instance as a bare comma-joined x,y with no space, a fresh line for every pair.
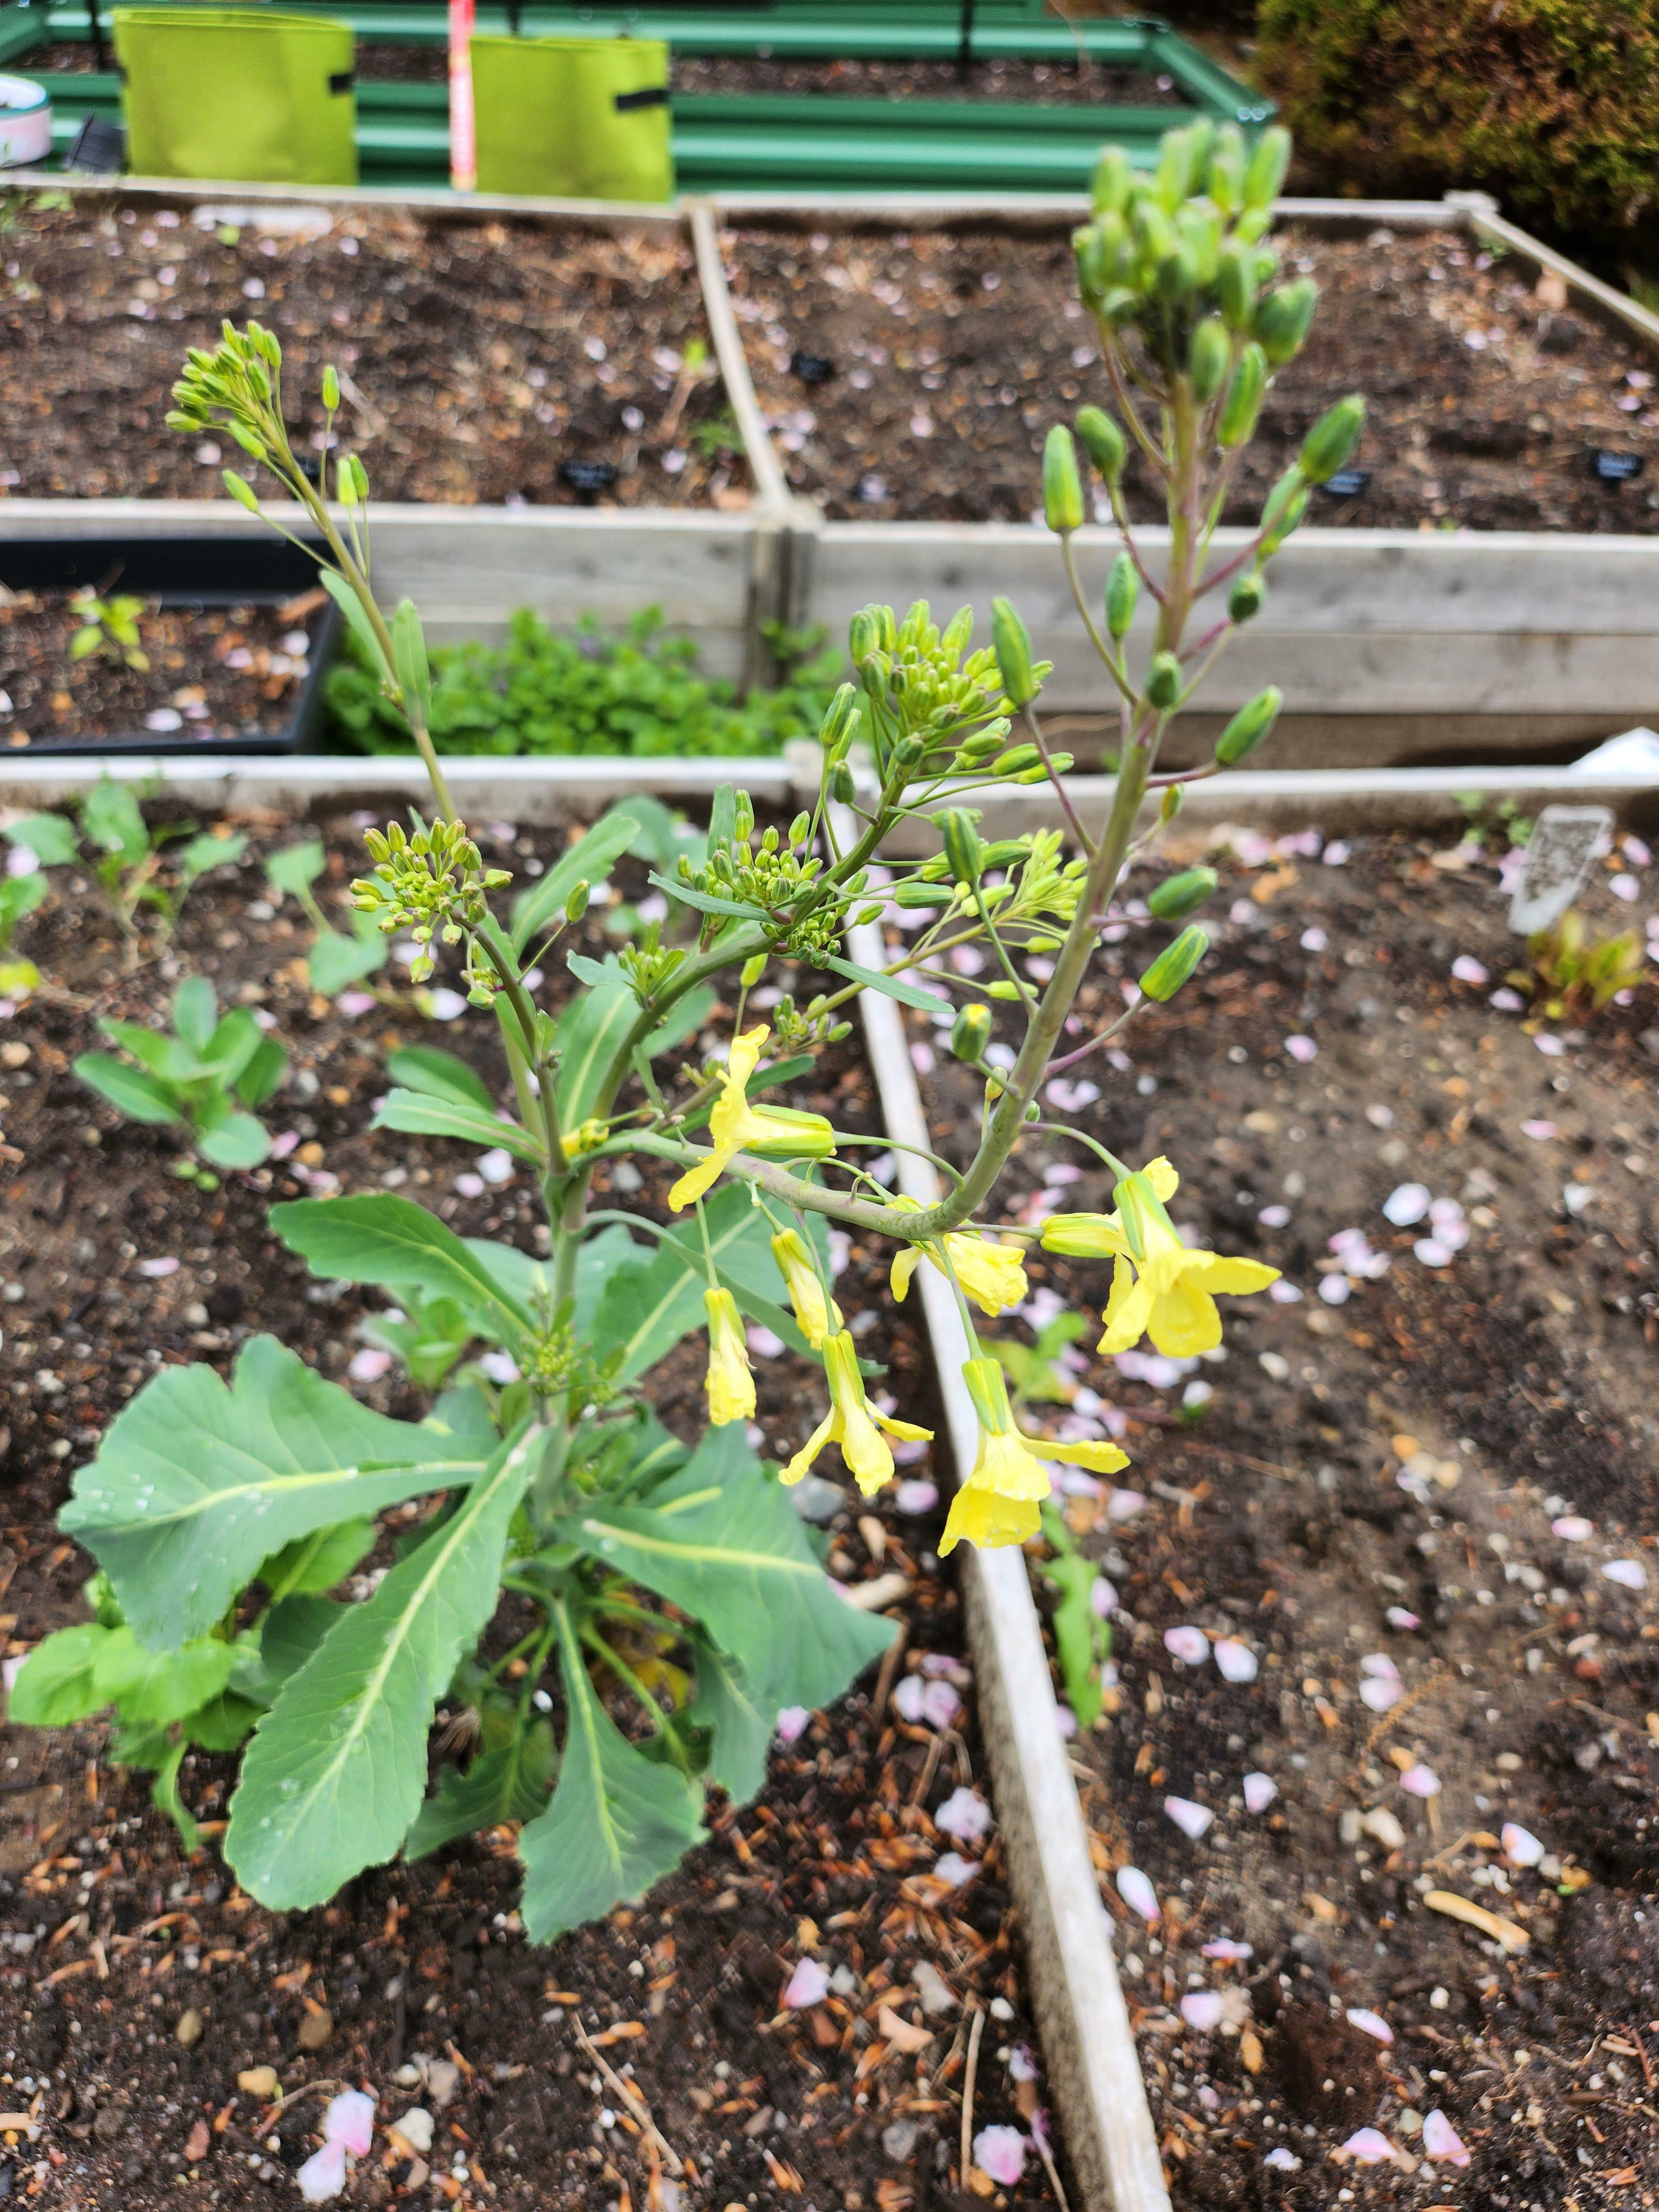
1170,805
1177,896
842,788
1176,278
1089,254
1016,758
1243,401
1062,486
577,905
870,630
1172,179
240,490
908,753
1281,320
1199,230
1225,181
1123,590
1163,681
1109,186
1254,224
1120,307
1332,439
1102,441
1175,963
1287,504
1235,283
956,632
800,828
971,1031
246,439
840,719
962,846
1013,642
332,390
1249,726
1244,600
1208,357
1266,172
1003,990
924,895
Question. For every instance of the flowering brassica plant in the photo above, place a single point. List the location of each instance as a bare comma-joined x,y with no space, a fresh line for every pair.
221,1514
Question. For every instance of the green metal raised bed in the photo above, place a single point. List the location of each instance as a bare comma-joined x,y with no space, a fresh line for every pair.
765,142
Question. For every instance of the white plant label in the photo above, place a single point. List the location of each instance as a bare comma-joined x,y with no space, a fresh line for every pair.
1564,843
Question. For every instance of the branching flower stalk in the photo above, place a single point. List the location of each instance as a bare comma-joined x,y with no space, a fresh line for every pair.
682,1580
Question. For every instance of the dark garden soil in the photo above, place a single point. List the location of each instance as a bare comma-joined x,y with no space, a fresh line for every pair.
1415,1450
136,1984
213,673
499,363
914,378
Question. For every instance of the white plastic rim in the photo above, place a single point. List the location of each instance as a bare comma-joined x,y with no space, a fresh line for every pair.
25,123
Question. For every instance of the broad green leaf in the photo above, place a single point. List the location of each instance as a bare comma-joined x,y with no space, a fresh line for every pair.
110,816
452,1117
725,1545
207,852
262,1075
648,1305
286,1639
140,1096
706,901
683,1019
231,1044
157,1051
618,1821
55,1684
313,1564
598,1259
740,1728
238,1140
336,1770
591,1031
223,1723
891,987
49,837
438,1074
159,1686
592,972
378,1237
336,962
510,1783
1082,1640
588,861
723,815
296,867
197,1483
363,632
196,1012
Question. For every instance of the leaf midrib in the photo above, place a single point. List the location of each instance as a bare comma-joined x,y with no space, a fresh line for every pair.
776,1562
206,1501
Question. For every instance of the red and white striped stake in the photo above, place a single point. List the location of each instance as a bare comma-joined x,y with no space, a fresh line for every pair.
463,140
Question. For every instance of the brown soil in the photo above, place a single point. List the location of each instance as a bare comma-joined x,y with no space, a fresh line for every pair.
47,698
764,2109
1410,1447
490,354
951,355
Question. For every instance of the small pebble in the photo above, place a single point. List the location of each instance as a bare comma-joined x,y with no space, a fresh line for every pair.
187,2030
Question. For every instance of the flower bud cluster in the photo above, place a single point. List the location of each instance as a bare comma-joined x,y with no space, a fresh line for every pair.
926,689
434,884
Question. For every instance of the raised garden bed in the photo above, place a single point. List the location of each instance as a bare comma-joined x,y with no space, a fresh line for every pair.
912,374
683,1993
1410,1491
502,362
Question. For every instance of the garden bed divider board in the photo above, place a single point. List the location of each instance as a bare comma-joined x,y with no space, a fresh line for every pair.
578,788
1088,2045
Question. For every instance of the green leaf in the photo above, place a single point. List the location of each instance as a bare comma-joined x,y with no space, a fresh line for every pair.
891,987
56,1683
588,861
236,1141
140,1096
207,852
429,1117
160,1686
438,1074
408,654
1082,1640
335,1773
357,621
296,867
741,1728
110,816
49,837
262,1075
510,1783
336,962
223,1723
313,1564
287,1637
647,1304
157,1051
706,902
725,1545
378,1237
196,1484
591,1031
618,1821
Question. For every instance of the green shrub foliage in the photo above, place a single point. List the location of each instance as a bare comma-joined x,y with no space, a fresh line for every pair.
1553,104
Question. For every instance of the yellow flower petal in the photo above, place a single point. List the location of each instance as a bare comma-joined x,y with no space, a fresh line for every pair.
1163,1178
1096,1458
991,1274
906,1261
865,1450
906,1430
696,1181
1127,1310
731,1383
989,1520
1234,1278
1084,1236
809,1451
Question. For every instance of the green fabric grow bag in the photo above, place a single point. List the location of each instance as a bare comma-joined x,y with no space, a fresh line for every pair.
573,119
244,94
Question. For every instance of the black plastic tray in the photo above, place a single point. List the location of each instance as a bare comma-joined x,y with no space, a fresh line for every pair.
184,572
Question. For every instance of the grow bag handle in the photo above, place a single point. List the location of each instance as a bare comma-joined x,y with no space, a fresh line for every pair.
652,96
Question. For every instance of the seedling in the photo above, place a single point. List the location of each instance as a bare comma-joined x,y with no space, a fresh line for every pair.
1572,970
109,628
336,960
107,835
21,891
202,1076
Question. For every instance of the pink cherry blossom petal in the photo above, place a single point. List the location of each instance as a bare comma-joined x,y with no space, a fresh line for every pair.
1520,1847
1190,1645
1628,1574
1369,2023
964,1814
1301,1049
1237,1662
1229,1952
1193,1820
1138,1894
1379,1663
350,2120
1202,2009
1572,1528
1369,2146
155,1271
916,1496
1420,1781
369,1365
1124,1504
1406,1205
792,1723
1506,1001
1103,1598
1539,1132
1551,1046
951,1867
1441,2139
1380,1694
323,2175
1001,2153
1432,1253
1398,1617
808,1986
1260,1790
1468,970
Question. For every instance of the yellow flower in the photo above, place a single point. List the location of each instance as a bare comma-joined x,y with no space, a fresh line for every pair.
852,1423
991,1273
817,1316
736,1125
1001,1501
1161,1288
585,1137
731,1383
